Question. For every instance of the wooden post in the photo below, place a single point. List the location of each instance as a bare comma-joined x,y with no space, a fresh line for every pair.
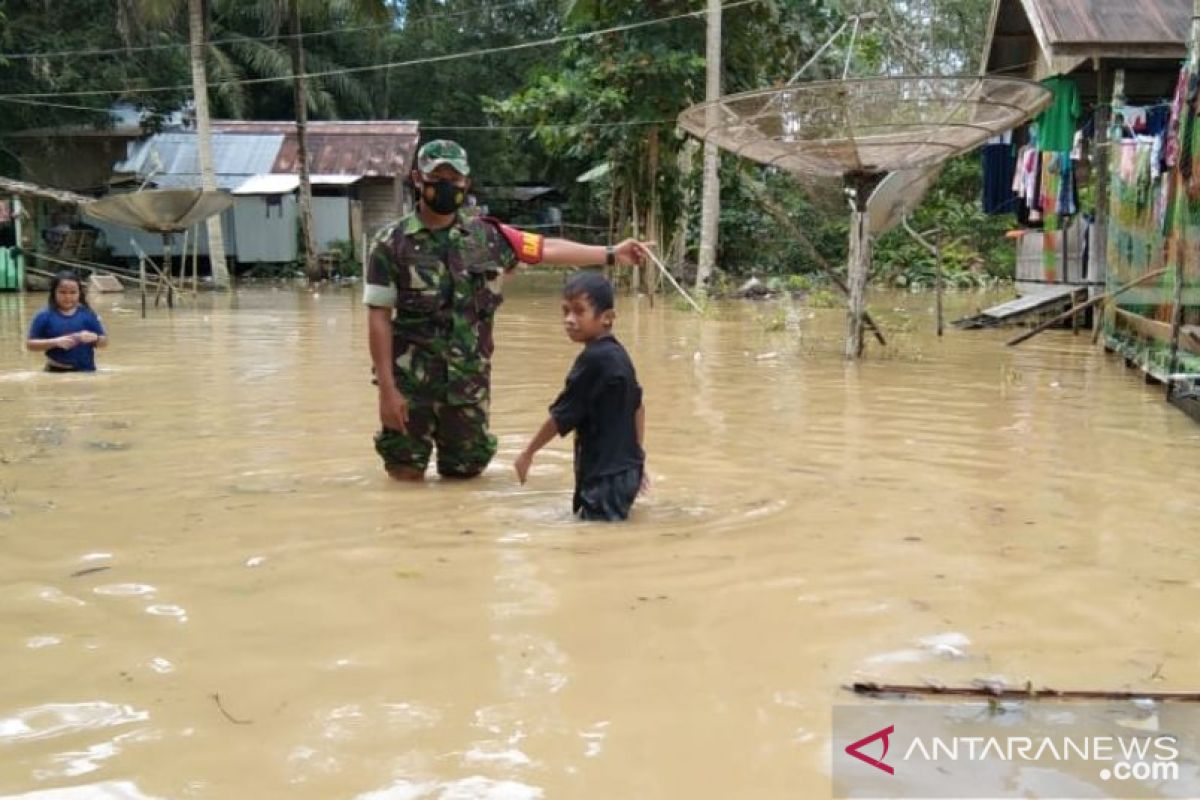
1183,197
784,220
142,281
196,260
937,280
1110,154
18,231
860,258
183,259
1098,256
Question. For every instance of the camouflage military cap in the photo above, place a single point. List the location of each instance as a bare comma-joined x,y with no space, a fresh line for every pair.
442,151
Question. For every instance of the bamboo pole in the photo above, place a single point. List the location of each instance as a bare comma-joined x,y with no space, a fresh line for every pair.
1100,298
1027,693
663,268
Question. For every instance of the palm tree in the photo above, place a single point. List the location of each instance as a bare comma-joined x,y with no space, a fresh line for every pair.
271,12
265,58
160,10
358,9
208,178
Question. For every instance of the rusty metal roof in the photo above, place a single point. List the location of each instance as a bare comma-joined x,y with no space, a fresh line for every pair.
369,148
1153,29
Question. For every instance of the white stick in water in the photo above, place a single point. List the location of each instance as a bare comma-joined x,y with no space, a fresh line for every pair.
671,278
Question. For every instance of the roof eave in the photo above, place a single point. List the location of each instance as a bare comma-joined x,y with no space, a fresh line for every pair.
1146,50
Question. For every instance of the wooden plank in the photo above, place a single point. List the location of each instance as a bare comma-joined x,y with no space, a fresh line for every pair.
1075,309
1159,331
1030,303
1020,693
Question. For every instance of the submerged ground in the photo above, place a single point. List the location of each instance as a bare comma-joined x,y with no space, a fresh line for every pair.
211,590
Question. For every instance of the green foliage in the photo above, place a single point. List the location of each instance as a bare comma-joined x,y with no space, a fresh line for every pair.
545,113
33,26
974,251
752,242
343,250
644,76
449,97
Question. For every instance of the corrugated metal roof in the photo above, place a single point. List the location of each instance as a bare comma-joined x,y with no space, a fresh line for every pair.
1073,24
1065,29
334,180
278,183
268,184
171,160
368,148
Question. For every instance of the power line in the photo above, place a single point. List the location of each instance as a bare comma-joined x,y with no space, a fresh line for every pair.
497,128
44,104
389,65
502,128
234,40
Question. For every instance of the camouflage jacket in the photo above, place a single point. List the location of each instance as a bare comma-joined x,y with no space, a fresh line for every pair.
445,294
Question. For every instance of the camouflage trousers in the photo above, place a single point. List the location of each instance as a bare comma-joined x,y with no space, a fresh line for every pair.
464,445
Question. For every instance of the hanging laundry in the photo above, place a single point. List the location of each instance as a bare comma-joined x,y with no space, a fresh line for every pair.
999,170
1057,124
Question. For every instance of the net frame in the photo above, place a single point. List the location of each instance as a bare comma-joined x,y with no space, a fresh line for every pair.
865,125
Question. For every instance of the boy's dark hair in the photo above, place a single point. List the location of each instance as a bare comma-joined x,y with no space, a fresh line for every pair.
592,285
66,275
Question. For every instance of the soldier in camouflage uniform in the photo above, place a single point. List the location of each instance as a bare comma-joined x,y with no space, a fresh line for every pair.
433,284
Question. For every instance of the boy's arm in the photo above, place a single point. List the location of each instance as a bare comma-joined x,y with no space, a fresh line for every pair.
545,433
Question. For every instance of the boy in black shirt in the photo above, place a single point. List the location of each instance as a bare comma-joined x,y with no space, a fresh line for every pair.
602,403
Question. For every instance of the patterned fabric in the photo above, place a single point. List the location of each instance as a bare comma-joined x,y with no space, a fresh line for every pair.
445,287
464,446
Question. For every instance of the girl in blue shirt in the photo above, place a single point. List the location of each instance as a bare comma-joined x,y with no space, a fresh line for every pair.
67,330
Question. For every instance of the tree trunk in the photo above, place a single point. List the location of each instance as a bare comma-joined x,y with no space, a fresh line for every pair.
710,203
312,267
208,178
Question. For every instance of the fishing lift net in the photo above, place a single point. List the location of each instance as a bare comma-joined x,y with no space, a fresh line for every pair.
859,130
162,211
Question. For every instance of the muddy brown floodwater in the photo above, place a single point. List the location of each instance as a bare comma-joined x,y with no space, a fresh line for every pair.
211,590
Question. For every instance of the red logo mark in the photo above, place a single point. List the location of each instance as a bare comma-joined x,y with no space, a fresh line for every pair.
853,749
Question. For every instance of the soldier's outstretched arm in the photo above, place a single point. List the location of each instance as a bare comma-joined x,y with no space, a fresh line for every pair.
569,253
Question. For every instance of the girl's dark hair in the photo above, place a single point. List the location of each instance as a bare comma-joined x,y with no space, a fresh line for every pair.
67,275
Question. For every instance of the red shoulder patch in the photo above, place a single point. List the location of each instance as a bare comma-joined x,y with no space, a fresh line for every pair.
527,246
